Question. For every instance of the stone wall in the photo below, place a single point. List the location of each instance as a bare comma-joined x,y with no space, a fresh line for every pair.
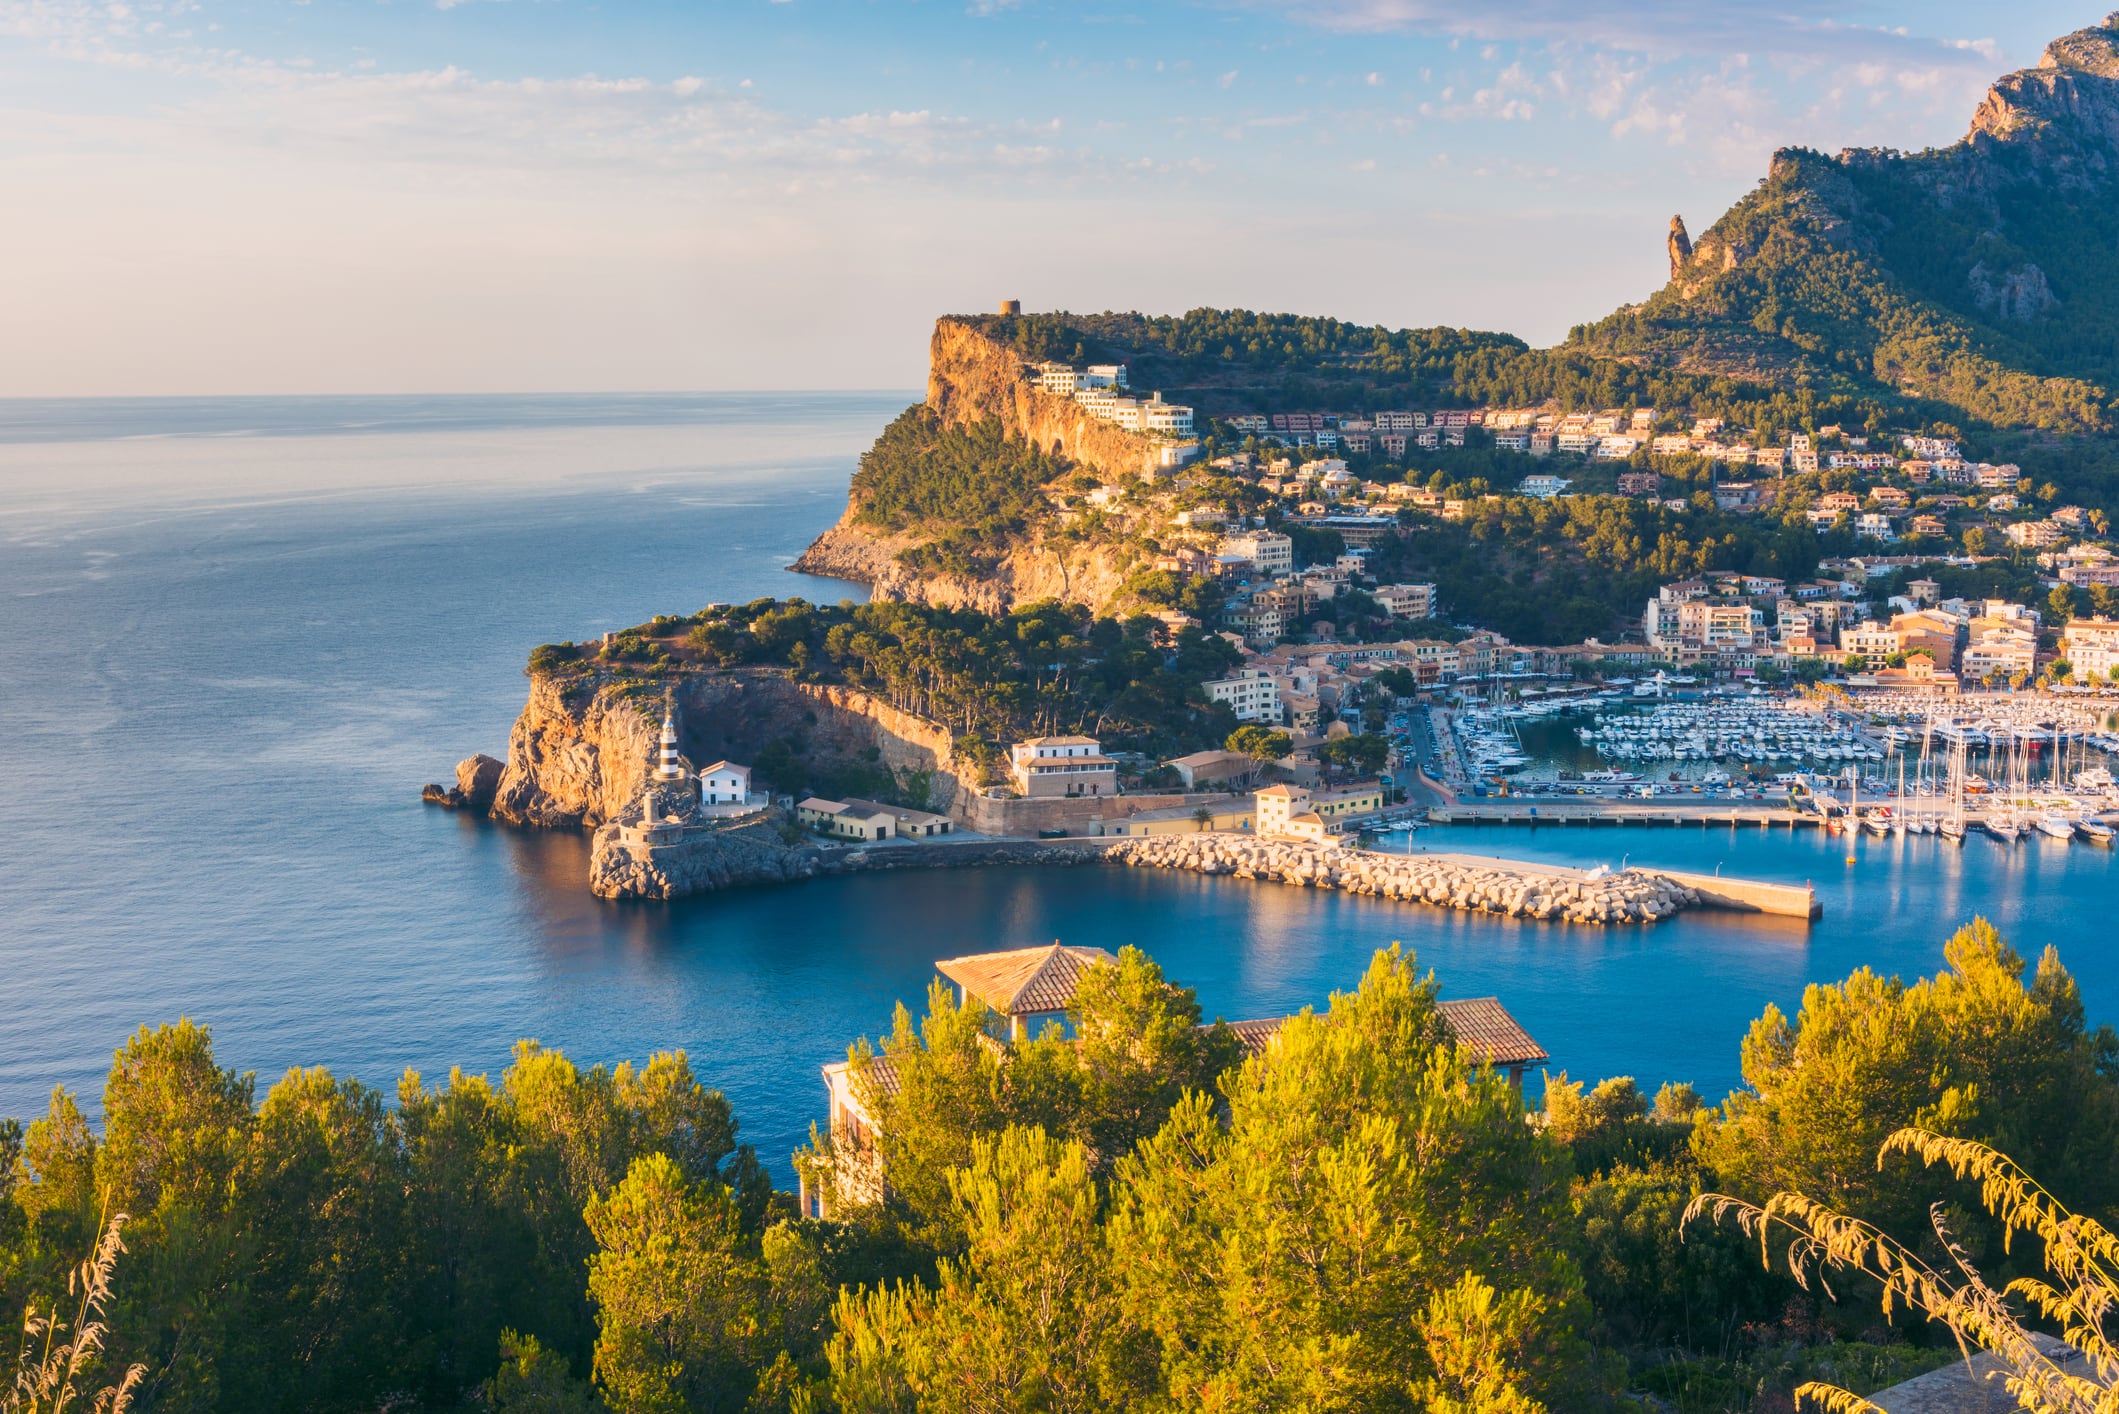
707,860
1077,815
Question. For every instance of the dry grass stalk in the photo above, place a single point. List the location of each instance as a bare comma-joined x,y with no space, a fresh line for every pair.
50,1365
2081,1258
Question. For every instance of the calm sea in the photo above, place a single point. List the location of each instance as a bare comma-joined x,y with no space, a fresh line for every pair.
239,634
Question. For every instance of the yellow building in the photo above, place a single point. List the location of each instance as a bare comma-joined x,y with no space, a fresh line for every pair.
1184,820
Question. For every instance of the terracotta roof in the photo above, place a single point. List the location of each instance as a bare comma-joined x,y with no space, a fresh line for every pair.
882,1074
1481,1024
1061,741
1208,758
866,810
1279,792
1257,1035
873,808
1025,980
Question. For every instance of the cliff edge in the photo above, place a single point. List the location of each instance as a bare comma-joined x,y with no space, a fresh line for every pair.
972,379
582,749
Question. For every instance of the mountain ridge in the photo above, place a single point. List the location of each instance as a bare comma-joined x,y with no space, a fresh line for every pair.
1977,277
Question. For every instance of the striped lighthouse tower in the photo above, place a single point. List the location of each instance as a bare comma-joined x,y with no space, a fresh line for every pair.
670,768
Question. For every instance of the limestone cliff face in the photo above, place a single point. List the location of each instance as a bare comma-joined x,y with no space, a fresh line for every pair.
581,752
2065,112
1040,568
971,378
576,757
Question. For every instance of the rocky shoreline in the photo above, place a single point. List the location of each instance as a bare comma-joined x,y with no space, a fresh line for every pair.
1518,891
706,859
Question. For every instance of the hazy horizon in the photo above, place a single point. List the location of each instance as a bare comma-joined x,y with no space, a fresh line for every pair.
473,196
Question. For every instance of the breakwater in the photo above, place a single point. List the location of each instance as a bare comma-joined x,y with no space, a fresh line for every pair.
1446,881
706,860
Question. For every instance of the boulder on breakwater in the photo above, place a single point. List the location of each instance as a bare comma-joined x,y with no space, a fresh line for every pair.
1518,891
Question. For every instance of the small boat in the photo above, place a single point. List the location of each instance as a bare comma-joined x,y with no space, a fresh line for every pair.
2003,829
1878,824
2096,831
1953,831
2055,827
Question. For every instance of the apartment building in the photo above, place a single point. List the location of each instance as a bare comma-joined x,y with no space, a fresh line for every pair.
1251,698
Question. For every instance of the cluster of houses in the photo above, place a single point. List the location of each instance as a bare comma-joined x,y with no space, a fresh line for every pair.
1740,622
1615,434
1305,687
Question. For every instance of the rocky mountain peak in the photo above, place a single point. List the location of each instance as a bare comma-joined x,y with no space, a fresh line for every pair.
2090,51
1680,246
2066,110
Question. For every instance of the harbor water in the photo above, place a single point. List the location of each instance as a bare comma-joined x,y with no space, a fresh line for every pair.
239,635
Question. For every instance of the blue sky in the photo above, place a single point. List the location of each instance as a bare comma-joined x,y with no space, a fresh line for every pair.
428,195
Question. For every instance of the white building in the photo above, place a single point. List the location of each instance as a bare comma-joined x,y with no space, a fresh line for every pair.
1284,812
1048,766
1252,699
2091,647
724,783
1058,378
1165,419
1542,486
1271,552
1407,601
1104,375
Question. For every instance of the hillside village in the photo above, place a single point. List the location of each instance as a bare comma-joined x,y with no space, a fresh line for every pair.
1903,502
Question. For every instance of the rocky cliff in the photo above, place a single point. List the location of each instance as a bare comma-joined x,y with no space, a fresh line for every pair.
581,750
1041,567
577,755
973,378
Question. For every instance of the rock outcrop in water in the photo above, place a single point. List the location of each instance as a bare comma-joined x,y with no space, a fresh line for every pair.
477,782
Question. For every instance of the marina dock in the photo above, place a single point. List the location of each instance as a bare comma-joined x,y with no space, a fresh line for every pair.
1618,812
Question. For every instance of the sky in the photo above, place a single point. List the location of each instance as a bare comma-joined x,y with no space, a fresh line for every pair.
318,196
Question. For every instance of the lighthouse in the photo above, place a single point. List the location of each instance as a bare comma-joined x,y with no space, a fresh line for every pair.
669,768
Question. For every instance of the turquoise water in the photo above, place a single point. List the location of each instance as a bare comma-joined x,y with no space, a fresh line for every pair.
238,635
